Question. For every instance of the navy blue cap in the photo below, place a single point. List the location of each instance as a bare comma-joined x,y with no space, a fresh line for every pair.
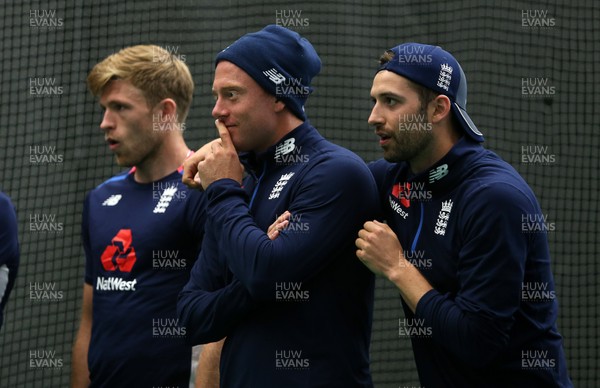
280,60
435,69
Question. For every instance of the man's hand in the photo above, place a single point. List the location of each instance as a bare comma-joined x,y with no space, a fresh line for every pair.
280,223
190,165
215,160
379,248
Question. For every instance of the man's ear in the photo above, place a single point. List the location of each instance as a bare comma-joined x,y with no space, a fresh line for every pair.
168,109
279,105
440,108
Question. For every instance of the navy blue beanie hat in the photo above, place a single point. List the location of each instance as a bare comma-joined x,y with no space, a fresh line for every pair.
436,69
280,61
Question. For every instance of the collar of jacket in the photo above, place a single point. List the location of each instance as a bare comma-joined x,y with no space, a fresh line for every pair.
444,175
255,162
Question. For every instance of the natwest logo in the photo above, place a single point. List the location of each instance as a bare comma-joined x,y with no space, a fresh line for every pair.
120,255
115,284
402,192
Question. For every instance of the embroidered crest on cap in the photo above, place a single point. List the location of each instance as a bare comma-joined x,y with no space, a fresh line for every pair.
445,76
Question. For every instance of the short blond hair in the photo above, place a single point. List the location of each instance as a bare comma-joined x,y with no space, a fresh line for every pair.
152,69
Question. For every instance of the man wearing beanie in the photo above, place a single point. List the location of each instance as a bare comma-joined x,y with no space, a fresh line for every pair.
464,241
296,310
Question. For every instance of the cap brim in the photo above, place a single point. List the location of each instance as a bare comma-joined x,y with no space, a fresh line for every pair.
466,123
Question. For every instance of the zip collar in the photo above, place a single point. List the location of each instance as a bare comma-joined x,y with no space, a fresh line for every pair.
444,175
300,136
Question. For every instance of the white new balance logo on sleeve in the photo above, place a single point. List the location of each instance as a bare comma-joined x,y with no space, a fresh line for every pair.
112,200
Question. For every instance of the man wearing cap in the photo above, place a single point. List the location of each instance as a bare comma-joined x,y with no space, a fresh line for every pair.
454,243
296,310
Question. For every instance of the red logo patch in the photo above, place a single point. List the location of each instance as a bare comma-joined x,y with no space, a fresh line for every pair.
120,255
402,192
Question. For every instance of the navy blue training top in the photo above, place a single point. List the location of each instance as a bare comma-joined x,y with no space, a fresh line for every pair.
9,250
141,241
296,311
475,231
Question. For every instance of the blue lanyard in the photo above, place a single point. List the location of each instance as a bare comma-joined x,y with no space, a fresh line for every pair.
258,185
414,244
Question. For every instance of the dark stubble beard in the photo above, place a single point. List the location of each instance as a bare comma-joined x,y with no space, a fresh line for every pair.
406,145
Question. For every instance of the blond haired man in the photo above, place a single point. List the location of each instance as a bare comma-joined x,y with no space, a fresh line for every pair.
141,229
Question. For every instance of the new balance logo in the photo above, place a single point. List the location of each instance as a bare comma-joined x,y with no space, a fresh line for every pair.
120,255
285,148
438,173
112,200
165,200
275,76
